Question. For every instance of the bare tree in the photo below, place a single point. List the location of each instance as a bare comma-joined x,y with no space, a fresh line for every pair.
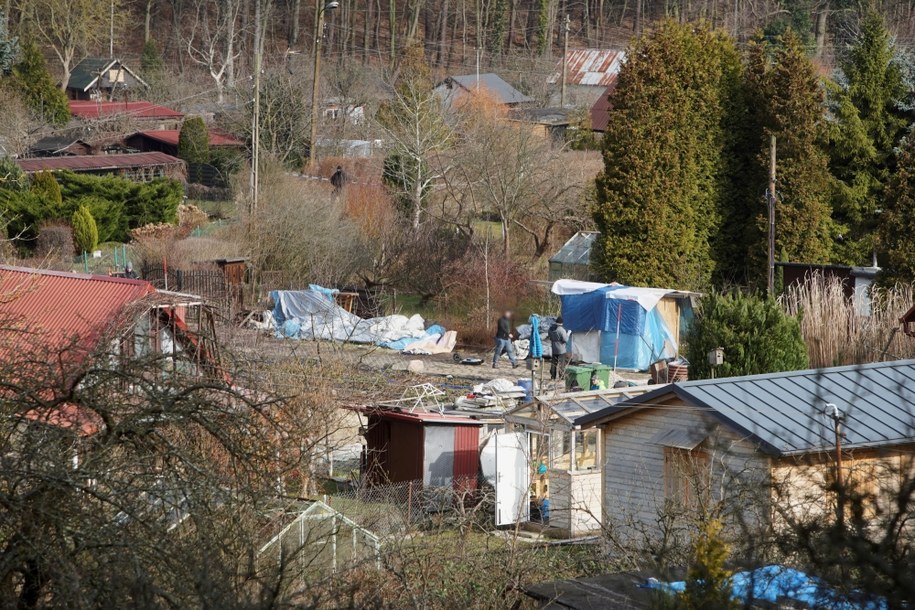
72,28
212,40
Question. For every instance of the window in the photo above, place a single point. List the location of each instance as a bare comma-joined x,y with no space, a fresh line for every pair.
687,476
574,451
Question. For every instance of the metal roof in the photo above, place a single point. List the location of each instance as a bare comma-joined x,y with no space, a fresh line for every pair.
492,83
86,73
86,163
568,408
786,412
91,110
600,111
51,308
419,416
170,136
576,251
590,67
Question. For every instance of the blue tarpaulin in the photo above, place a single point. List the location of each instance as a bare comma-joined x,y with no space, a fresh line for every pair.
536,345
777,584
643,336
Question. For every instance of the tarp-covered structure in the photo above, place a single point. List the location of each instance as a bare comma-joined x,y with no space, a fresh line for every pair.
615,324
314,315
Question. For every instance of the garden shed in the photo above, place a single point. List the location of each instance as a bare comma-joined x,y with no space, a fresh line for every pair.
432,448
564,460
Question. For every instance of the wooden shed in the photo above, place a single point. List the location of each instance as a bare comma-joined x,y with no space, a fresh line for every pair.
403,445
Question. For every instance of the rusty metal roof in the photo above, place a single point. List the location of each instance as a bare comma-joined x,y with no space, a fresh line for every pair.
49,309
170,136
590,67
84,163
90,110
600,111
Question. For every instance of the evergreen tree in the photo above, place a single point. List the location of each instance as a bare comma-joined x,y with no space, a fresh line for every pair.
12,178
194,141
897,222
659,198
756,334
46,188
85,232
869,123
9,47
31,77
151,62
785,82
708,581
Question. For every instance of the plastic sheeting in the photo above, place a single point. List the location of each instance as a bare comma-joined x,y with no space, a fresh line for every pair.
313,315
643,337
775,584
535,349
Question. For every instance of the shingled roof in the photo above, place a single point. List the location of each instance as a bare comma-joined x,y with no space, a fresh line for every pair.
786,413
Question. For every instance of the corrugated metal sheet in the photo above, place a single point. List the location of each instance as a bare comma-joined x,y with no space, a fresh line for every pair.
98,162
600,111
170,136
590,67
90,110
786,412
466,456
58,307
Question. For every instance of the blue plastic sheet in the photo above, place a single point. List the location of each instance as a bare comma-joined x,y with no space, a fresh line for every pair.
536,346
775,584
643,335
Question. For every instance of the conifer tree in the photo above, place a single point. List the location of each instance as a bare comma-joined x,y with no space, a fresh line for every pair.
45,187
9,47
788,88
85,231
708,581
31,77
897,222
194,141
150,60
659,198
869,123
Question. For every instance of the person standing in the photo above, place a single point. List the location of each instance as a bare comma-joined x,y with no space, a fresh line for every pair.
559,349
504,340
339,180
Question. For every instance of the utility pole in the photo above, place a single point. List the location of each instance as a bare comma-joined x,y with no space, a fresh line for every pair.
316,83
837,417
256,111
770,196
565,53
111,33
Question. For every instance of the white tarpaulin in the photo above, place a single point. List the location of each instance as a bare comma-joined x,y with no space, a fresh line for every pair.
648,298
433,344
309,314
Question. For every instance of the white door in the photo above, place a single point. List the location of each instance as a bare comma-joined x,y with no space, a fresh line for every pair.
512,478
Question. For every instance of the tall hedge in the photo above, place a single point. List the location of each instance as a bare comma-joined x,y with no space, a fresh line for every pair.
85,231
756,334
194,141
659,195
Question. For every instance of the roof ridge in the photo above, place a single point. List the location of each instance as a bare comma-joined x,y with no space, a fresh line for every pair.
798,373
75,275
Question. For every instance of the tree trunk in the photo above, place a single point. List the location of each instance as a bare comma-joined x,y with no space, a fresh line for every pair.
294,17
392,24
505,245
820,32
512,16
366,29
442,50
147,21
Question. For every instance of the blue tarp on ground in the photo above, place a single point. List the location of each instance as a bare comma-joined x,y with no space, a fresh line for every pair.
777,584
643,335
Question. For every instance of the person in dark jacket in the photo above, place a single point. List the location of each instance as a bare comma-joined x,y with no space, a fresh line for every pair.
504,340
559,346
339,179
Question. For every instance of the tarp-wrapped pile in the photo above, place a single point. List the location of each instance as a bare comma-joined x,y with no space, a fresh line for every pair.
314,315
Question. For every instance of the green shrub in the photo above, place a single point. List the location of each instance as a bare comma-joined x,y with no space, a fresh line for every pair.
756,334
45,187
85,232
194,141
31,77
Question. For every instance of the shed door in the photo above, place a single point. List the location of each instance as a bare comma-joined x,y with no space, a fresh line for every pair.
512,478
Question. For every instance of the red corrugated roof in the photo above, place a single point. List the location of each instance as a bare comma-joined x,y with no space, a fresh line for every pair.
90,110
593,67
49,309
68,416
170,136
600,111
97,162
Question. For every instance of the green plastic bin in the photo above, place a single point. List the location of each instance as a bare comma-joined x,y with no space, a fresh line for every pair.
580,375
603,372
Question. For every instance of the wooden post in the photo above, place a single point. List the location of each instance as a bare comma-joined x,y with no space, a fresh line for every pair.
771,202
565,52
